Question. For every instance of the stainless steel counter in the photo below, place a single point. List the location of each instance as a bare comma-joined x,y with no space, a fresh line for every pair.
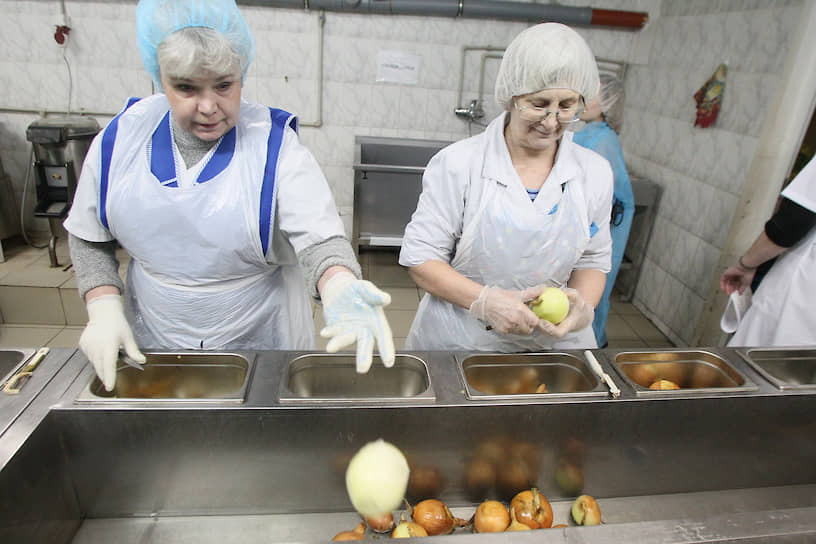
687,466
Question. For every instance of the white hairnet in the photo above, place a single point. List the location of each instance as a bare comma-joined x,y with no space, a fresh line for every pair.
546,56
157,19
611,100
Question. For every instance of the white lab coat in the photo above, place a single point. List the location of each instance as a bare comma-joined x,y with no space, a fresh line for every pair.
782,309
213,247
475,214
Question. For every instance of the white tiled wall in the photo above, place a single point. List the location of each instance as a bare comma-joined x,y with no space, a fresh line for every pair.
106,69
701,171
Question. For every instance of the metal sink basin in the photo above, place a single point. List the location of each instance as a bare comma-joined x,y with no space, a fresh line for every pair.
527,375
10,360
792,368
696,370
330,377
183,376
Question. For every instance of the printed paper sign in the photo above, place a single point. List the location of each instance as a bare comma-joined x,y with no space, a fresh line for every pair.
398,67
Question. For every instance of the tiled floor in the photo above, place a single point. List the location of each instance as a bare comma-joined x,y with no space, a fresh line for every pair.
39,305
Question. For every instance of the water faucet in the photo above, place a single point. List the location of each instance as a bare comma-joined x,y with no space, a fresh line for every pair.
472,112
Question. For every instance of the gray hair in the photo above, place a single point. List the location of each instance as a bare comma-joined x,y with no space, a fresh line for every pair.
192,50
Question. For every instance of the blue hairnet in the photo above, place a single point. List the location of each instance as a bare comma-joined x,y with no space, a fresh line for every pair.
157,19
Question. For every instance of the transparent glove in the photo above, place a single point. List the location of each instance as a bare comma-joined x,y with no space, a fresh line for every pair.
504,310
353,311
106,331
580,316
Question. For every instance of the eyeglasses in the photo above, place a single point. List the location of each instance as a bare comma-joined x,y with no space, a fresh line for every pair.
564,115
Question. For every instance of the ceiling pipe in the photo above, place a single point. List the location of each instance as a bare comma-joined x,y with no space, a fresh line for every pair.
479,9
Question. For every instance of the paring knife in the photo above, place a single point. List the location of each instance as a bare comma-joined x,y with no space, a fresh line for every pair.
17,381
125,358
596,367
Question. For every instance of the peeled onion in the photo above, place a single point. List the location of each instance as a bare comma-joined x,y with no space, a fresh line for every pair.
376,478
532,509
491,517
357,534
408,529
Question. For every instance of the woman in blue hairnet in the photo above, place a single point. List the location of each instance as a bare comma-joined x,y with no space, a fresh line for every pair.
604,118
229,222
514,209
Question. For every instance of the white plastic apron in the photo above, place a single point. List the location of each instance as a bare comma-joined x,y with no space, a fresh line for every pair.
512,245
198,277
781,312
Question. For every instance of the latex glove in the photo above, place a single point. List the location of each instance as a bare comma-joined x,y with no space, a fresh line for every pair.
353,311
504,310
106,331
736,278
580,316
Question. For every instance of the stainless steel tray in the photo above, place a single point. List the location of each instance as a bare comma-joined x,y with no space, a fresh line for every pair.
333,378
178,377
527,376
692,370
786,368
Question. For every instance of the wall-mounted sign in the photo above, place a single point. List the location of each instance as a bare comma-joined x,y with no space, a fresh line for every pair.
398,67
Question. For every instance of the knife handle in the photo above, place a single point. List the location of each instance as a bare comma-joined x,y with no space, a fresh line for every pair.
17,381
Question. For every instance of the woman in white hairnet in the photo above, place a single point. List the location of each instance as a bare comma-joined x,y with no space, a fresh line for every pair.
225,214
604,118
514,209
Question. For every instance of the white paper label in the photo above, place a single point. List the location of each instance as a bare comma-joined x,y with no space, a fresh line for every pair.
398,67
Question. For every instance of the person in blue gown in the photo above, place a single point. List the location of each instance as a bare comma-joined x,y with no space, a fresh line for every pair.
604,118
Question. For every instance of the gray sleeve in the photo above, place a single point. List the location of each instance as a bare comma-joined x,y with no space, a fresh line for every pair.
316,258
95,264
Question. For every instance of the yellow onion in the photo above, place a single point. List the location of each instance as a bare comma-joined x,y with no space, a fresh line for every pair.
381,524
491,517
357,534
435,517
532,509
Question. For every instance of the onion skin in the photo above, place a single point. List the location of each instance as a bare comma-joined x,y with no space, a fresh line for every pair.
408,529
559,526
381,524
515,525
532,509
357,534
491,517
435,517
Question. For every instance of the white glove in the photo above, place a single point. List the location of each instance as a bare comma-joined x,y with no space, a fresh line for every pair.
353,311
580,315
504,310
107,329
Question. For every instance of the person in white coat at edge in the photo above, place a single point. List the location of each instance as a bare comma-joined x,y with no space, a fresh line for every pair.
514,209
227,217
781,311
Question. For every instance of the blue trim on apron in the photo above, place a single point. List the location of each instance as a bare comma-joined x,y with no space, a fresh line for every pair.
279,120
108,140
163,166
593,229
